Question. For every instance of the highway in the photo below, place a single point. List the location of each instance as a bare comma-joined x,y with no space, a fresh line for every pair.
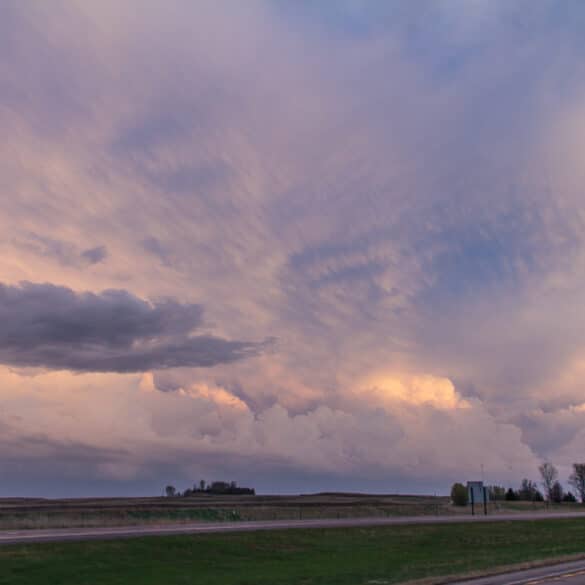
110,533
572,573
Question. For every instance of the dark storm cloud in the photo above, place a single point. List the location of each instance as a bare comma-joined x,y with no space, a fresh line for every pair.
114,331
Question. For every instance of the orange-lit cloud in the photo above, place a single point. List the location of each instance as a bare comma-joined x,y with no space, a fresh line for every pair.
416,391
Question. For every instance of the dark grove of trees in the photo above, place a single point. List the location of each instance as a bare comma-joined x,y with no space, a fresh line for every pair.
557,493
552,487
528,492
222,488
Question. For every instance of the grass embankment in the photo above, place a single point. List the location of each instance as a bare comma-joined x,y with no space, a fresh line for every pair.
356,556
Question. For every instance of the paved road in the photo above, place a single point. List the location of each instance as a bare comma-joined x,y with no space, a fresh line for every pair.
563,574
64,534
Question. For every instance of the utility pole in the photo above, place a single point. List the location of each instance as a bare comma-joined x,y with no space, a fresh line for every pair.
484,491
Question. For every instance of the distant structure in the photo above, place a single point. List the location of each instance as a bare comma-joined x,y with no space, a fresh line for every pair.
217,488
231,488
478,495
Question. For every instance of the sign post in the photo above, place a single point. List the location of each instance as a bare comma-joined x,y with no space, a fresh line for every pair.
478,494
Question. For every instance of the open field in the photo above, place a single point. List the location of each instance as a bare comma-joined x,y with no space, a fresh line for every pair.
357,556
15,513
39,513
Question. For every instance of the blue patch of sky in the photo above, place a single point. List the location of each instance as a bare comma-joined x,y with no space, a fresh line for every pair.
478,258
428,31
420,27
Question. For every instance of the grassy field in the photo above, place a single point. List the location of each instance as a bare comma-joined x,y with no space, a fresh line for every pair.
20,513
295,557
40,513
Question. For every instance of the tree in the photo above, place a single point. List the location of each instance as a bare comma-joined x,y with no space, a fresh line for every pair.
557,493
577,480
511,495
528,490
496,492
170,491
459,494
570,498
202,485
549,475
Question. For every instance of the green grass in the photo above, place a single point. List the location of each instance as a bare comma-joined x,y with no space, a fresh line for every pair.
356,556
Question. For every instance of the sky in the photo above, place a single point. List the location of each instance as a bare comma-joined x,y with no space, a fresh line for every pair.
299,245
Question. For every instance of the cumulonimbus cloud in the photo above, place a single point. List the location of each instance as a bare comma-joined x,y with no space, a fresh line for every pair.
54,327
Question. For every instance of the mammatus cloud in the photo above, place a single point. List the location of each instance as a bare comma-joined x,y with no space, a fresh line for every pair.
54,327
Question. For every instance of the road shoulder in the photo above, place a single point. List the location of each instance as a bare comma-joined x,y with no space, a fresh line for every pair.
517,573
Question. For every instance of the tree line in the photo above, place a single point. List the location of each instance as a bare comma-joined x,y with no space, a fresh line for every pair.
552,489
214,488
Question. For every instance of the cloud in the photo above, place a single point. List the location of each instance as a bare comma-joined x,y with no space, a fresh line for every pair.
112,331
155,247
95,255
65,253
203,430
396,196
